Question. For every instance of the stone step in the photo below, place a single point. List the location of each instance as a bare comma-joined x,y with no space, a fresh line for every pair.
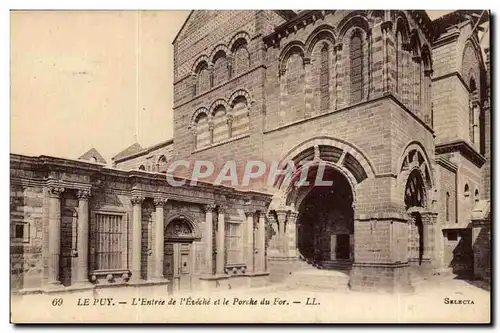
319,278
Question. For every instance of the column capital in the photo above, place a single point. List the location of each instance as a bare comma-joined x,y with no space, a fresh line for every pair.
429,218
307,60
55,191
292,216
338,47
83,194
209,207
222,209
428,72
250,212
281,215
137,200
160,202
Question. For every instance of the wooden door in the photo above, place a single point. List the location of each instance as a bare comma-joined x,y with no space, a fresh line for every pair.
178,266
185,266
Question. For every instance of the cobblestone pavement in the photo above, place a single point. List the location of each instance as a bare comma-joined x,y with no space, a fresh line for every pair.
434,301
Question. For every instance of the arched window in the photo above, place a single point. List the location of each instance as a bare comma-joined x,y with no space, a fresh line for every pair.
466,191
162,164
220,130
241,57
325,78
295,86
476,195
93,159
240,123
399,64
202,131
220,73
356,66
473,105
142,167
202,78
447,206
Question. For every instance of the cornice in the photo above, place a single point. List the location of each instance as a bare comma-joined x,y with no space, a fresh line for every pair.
463,148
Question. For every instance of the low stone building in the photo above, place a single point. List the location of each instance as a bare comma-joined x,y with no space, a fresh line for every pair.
391,107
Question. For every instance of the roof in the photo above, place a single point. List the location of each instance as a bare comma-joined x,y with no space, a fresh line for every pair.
286,14
91,154
142,151
132,149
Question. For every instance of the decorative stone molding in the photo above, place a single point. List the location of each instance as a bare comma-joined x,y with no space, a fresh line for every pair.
55,191
338,47
222,209
83,194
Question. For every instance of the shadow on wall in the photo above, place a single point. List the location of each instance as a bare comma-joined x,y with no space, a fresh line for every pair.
463,256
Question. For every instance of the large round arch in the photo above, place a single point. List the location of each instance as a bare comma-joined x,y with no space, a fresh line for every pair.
321,190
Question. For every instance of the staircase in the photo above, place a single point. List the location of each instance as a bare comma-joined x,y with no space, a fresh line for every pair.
316,276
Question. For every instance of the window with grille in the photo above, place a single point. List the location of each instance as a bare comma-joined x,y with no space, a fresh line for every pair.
233,241
110,242
19,231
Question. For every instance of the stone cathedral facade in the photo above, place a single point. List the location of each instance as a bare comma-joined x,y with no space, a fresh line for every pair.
397,107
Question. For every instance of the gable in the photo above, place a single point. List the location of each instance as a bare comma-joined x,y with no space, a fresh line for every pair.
93,155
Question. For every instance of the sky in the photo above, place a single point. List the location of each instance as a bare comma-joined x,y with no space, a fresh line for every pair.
84,79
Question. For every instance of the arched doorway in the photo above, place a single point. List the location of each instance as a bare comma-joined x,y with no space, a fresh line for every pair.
178,257
415,202
325,220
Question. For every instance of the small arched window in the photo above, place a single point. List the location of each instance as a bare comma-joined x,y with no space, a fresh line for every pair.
325,78
447,206
473,105
466,190
142,167
476,195
93,159
356,66
162,164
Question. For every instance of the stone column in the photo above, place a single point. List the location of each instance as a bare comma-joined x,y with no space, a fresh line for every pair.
282,242
249,241
386,28
209,209
291,230
136,237
308,89
159,228
261,243
54,234
220,259
83,237
411,239
429,222
338,66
